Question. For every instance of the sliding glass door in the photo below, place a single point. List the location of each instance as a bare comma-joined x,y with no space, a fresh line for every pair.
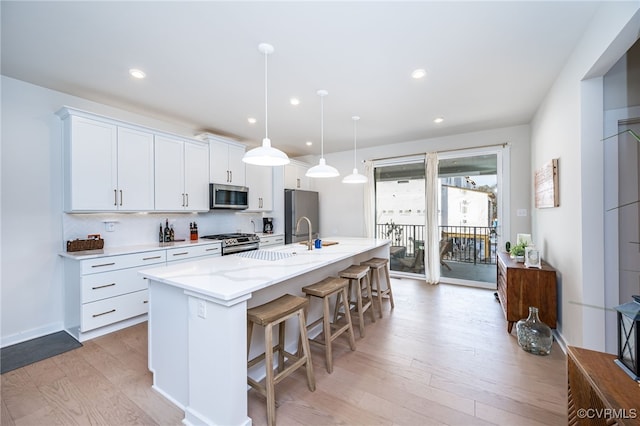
400,204
469,211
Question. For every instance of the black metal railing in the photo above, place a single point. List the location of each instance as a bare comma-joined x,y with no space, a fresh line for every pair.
468,244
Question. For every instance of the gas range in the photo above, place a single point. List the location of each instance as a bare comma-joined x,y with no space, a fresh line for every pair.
236,242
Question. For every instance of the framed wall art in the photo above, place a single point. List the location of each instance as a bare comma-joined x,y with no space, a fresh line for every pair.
546,185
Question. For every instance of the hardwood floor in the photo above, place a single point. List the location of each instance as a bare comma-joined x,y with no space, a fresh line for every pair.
443,356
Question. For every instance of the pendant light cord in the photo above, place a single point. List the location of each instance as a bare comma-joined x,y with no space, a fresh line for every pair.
321,126
355,136
266,117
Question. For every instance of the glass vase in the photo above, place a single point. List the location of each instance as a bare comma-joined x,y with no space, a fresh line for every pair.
534,336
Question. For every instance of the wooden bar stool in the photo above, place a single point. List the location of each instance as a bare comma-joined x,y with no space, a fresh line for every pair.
325,289
358,275
269,315
377,265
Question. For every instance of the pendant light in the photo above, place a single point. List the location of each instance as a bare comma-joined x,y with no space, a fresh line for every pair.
265,155
322,170
355,177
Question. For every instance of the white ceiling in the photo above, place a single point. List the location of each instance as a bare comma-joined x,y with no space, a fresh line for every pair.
489,64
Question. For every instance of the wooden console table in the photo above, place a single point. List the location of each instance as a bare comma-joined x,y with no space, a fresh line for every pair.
599,392
520,287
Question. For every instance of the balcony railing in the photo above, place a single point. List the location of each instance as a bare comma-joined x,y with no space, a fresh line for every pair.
469,244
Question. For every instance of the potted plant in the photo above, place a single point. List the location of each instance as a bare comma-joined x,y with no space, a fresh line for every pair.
517,251
394,232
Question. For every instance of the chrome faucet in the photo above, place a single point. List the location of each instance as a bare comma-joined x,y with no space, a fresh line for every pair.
310,242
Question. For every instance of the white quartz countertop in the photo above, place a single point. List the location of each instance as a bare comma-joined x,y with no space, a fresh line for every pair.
114,251
233,276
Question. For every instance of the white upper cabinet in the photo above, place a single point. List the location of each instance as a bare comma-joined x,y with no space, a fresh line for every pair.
225,161
196,175
181,175
169,174
295,176
107,167
135,170
260,183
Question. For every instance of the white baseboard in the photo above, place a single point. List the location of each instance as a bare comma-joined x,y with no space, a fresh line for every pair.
23,336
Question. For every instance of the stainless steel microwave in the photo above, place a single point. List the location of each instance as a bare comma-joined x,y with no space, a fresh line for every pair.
228,196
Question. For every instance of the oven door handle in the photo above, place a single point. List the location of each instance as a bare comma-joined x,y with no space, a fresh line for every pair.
240,248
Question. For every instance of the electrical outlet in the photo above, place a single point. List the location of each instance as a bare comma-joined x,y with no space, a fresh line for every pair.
202,309
521,212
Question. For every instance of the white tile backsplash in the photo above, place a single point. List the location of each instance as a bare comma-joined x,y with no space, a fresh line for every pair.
142,228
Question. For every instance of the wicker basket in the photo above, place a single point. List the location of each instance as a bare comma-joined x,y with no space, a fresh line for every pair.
88,244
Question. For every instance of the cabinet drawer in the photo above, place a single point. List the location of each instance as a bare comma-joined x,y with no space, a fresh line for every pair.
109,284
109,263
108,311
181,253
273,240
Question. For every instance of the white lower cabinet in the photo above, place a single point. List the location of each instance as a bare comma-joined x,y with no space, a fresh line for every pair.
105,294
193,253
271,240
114,309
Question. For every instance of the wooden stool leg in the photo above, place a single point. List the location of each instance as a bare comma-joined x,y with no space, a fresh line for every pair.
269,385
368,287
345,304
386,272
359,307
281,336
374,276
311,380
326,329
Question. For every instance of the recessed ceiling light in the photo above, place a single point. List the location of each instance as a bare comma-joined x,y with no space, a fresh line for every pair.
137,73
438,120
252,120
294,101
419,73
308,143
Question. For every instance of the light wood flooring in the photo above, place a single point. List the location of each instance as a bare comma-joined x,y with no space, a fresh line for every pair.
443,356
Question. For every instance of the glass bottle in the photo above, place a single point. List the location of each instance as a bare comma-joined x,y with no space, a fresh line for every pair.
534,336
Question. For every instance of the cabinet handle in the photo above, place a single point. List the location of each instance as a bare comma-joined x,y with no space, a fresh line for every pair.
103,264
212,249
104,313
103,286
115,197
181,254
187,200
145,301
182,200
230,175
121,197
298,182
151,258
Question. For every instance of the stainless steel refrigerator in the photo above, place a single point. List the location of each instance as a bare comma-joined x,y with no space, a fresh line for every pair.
299,203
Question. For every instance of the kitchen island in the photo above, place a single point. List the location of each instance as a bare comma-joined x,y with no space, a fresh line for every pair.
197,319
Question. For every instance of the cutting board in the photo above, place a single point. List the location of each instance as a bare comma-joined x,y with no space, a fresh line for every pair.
324,243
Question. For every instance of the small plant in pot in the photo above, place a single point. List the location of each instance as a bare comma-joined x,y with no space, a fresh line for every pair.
517,251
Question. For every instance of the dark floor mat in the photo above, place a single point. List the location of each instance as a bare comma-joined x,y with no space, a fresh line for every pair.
25,353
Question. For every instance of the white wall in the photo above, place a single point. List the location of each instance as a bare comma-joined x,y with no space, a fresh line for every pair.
568,126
